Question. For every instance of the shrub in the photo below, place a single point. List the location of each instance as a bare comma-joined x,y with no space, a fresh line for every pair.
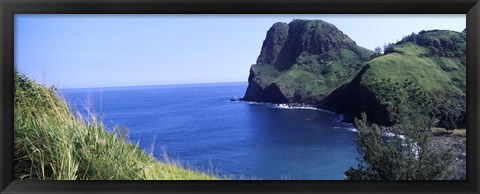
409,155
409,158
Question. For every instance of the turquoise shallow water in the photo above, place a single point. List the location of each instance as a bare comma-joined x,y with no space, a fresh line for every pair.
198,125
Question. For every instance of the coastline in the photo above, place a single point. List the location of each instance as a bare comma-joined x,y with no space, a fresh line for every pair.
441,139
291,105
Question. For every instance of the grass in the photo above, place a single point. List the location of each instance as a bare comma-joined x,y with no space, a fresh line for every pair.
460,132
265,74
313,76
438,71
434,72
51,143
399,67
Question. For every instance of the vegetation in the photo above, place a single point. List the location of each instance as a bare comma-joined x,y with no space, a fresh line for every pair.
410,158
432,66
315,59
415,84
460,132
387,48
377,52
409,154
53,144
265,74
312,77
319,63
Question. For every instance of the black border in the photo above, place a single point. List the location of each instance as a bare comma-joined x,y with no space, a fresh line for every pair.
10,7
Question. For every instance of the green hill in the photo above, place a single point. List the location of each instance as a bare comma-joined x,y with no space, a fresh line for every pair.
425,70
53,144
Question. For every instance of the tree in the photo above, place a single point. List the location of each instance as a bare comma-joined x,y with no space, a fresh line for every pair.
409,154
388,48
378,51
397,158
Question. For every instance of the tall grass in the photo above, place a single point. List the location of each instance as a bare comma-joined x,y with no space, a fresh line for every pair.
53,144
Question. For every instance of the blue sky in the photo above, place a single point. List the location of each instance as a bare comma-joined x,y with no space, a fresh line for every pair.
83,51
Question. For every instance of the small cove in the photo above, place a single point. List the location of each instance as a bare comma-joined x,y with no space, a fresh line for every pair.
198,125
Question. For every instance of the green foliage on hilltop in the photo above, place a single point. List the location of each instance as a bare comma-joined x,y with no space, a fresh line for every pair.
53,144
433,63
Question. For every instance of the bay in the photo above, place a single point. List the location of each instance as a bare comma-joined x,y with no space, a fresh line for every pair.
200,127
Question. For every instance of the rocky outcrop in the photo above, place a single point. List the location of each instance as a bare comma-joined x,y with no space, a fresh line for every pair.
302,62
314,37
273,43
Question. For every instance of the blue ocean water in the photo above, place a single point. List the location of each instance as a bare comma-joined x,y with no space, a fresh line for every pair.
198,125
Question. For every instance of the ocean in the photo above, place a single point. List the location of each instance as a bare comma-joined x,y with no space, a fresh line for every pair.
200,127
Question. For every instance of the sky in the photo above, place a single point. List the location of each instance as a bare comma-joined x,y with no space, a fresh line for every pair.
87,51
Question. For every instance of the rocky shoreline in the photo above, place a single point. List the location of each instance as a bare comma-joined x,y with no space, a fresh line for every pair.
457,143
442,140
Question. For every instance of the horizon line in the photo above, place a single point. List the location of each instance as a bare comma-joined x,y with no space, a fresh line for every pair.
151,85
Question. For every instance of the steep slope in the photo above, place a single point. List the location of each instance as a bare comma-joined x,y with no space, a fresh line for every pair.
51,143
425,72
303,61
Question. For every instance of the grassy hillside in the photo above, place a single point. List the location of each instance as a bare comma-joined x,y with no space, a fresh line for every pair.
425,71
53,144
432,65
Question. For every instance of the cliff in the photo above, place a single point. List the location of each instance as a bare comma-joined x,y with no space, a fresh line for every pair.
303,61
423,76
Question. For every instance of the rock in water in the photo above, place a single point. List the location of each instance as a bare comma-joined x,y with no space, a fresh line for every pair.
303,61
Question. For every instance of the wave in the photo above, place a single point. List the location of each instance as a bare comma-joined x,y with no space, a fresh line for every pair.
347,126
390,134
340,118
290,106
352,129
302,107
257,103
384,134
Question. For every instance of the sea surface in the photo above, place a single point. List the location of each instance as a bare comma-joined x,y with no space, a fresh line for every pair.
199,126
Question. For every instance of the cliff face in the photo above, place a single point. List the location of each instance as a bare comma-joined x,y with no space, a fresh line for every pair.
273,44
354,98
312,37
311,61
303,61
